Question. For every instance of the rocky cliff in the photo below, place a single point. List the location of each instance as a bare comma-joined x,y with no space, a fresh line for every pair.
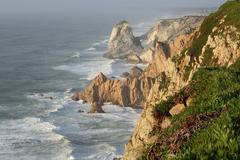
175,33
134,90
122,42
185,99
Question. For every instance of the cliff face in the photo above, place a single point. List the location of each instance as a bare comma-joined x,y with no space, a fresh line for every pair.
215,44
174,34
168,29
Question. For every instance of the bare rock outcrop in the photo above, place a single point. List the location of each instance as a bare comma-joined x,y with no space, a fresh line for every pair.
167,29
130,92
134,90
224,46
174,34
122,42
146,56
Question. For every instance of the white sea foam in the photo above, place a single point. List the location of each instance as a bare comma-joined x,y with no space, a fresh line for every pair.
31,138
76,55
95,136
88,69
97,44
91,49
103,42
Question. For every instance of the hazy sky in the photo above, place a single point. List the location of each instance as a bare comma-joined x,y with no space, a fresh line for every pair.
58,6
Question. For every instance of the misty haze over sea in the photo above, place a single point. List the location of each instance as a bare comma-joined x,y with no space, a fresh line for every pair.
52,48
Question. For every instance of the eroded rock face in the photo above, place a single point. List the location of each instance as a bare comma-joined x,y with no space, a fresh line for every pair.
169,81
130,92
174,33
224,46
167,29
122,41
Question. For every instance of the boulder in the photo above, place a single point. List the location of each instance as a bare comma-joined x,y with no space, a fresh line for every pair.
80,111
189,101
122,42
166,123
177,109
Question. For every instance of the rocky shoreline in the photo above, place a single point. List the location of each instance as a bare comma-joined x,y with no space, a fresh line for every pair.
164,40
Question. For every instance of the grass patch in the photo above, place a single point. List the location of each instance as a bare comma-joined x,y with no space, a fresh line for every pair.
214,90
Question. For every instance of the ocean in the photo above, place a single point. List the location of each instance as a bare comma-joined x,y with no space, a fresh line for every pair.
53,56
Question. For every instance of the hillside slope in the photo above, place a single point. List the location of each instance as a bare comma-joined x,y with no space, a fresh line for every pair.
193,108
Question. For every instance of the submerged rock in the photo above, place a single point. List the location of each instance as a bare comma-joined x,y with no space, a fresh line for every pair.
80,111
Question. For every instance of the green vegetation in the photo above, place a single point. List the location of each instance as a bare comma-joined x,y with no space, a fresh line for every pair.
211,123
179,57
218,89
231,9
219,141
208,54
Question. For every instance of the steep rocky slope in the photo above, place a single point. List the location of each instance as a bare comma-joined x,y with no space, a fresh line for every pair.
184,99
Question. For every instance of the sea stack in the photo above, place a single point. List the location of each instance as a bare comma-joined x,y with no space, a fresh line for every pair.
122,42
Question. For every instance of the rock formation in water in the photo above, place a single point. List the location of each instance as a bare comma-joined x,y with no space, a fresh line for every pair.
134,90
122,42
130,92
